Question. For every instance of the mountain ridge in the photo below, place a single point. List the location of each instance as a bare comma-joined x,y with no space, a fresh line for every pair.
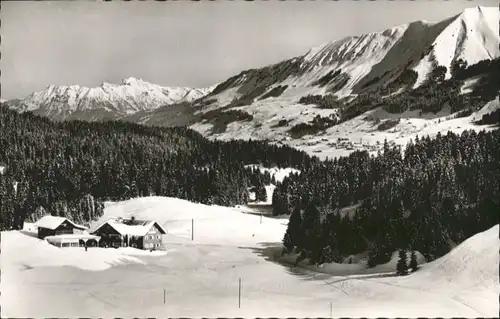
329,92
355,56
66,102
401,80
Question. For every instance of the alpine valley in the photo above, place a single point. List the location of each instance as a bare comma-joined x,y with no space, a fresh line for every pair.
414,79
360,179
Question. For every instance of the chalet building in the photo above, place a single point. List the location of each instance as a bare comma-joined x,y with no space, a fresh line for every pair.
139,234
62,232
55,225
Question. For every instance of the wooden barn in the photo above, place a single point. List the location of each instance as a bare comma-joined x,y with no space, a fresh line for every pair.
55,225
62,232
141,234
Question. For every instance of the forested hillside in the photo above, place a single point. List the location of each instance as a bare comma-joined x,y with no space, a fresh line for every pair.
69,168
440,192
437,194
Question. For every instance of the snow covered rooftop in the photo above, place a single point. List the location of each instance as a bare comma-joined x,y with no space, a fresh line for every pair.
139,228
52,222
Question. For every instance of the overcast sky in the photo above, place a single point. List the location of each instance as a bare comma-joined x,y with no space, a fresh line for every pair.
181,43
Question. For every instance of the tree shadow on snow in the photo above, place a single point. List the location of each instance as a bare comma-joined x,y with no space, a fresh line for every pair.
269,250
272,251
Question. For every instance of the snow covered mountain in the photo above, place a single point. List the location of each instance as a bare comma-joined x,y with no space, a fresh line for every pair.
350,65
109,101
355,92
414,79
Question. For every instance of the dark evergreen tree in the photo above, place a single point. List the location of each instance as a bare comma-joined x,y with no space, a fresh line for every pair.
401,266
413,262
261,194
293,235
37,214
380,254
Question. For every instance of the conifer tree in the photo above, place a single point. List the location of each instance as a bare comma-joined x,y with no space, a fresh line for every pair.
311,225
293,235
37,214
413,261
261,193
401,266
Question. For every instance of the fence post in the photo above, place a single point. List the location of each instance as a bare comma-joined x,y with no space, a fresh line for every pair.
192,229
164,296
239,292
330,309
261,218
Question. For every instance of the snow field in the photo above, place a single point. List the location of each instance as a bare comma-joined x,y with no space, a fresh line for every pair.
200,277
26,252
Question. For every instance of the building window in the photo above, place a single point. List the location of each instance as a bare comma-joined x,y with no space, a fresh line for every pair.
64,231
157,236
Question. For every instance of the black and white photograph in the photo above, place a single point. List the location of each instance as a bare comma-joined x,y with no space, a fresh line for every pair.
243,159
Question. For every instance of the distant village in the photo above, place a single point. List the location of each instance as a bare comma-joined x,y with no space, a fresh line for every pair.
114,233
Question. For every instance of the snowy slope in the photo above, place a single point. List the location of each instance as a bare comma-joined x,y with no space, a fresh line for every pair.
473,263
213,224
107,101
354,56
229,245
360,133
39,253
469,274
363,63
471,36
